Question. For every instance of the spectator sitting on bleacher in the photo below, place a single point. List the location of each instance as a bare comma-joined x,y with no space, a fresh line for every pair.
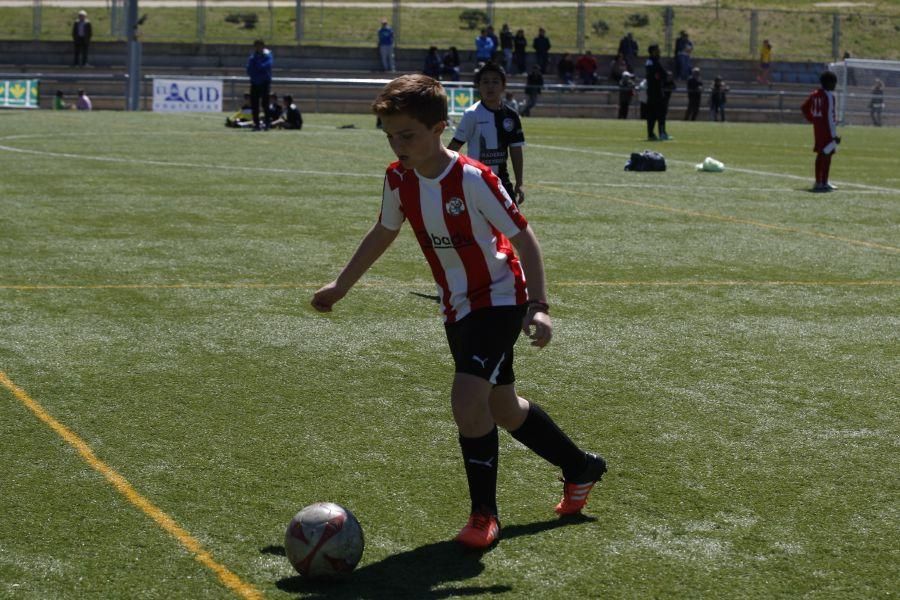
243,117
450,64
290,117
617,67
432,66
587,68
565,69
83,102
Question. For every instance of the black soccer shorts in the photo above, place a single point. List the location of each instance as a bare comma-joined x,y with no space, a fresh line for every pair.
482,342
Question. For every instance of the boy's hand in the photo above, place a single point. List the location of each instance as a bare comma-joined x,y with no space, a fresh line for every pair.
520,194
538,327
837,139
325,298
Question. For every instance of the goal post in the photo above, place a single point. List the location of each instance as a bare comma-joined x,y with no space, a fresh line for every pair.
857,78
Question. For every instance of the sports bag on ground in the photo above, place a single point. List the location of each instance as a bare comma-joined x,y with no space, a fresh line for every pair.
646,161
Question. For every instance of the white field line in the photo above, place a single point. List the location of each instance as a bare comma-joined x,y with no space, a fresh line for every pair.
720,188
870,188
728,168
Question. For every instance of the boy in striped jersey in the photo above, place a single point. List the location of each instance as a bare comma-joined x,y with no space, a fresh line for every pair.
493,131
468,227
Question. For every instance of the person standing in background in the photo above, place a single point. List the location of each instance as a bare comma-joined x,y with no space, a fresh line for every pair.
541,45
694,92
520,47
81,36
765,62
386,47
506,44
820,110
259,68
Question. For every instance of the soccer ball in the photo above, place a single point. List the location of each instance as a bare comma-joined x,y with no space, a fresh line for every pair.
324,540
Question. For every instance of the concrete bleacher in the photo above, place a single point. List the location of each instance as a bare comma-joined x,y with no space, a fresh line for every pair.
105,79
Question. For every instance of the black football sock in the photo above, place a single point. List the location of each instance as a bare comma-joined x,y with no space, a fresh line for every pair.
544,437
480,456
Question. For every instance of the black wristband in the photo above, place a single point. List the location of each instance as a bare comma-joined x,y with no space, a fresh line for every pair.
539,305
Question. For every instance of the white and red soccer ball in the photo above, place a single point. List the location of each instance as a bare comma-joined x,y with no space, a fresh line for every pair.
324,540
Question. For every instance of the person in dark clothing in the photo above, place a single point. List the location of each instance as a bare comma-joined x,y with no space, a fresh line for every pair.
520,47
565,69
273,109
506,45
533,86
541,45
450,64
694,92
432,66
259,68
290,118
628,48
667,88
81,36
656,76
717,99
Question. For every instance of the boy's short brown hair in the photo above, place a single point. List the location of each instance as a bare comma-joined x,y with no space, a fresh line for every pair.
419,96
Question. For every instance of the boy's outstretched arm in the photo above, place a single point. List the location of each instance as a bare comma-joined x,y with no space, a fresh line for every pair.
372,246
537,324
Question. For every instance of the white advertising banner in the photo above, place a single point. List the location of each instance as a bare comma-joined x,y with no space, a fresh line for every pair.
187,95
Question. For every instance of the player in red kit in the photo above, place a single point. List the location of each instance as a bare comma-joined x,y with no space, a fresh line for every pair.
820,110
487,265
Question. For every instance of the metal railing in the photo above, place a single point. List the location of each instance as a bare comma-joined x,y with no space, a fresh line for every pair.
354,95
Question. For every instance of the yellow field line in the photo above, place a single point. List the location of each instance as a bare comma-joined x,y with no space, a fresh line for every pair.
423,283
724,218
232,581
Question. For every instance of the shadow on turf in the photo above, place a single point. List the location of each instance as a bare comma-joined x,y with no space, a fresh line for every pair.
415,574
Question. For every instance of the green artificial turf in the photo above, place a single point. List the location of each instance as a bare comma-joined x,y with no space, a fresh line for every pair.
728,341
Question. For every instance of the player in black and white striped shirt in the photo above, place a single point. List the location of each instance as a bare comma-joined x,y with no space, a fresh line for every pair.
493,131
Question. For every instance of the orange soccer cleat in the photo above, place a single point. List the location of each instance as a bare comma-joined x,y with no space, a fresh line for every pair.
480,532
575,492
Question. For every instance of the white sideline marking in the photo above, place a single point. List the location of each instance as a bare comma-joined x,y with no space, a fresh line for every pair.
164,163
660,186
730,168
871,188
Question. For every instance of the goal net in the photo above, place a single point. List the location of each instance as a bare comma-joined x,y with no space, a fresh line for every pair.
868,91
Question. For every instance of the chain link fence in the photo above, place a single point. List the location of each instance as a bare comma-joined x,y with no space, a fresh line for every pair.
572,26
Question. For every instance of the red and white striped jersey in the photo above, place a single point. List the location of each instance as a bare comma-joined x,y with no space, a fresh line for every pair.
463,220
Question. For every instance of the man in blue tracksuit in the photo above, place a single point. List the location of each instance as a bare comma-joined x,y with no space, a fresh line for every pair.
259,68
